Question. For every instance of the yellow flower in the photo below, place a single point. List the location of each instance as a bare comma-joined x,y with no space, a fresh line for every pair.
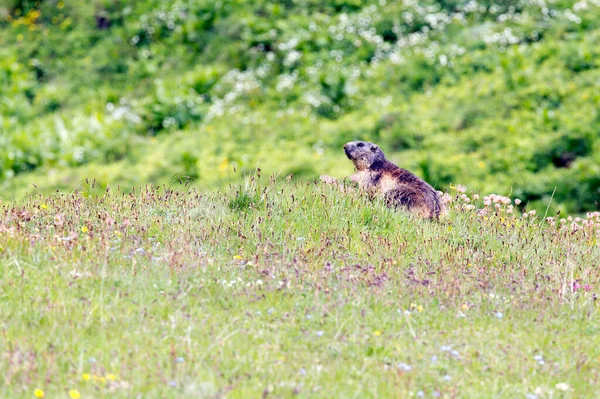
84,229
111,377
86,376
377,333
38,393
74,394
44,206
224,165
464,306
238,257
420,308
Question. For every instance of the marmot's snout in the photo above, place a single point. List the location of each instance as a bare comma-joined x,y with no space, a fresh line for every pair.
351,146
347,149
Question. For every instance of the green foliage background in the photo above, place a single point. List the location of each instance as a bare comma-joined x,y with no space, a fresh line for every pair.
499,96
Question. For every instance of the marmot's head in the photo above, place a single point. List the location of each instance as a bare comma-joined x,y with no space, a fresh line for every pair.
364,155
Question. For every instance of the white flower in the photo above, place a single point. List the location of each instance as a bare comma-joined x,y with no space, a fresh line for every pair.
562,386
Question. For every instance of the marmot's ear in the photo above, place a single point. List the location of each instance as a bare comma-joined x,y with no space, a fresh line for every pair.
374,148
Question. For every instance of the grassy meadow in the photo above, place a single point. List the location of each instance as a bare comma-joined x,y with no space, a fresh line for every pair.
277,288
143,255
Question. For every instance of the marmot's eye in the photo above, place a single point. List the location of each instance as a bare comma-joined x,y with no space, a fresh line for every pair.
374,149
360,144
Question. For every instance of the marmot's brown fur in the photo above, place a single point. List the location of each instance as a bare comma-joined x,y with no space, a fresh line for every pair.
398,187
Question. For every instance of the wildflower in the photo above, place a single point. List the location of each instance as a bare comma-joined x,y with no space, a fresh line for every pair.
112,377
237,257
74,394
562,386
38,393
404,366
377,333
464,306
86,377
84,229
446,198
517,201
44,206
320,333
499,315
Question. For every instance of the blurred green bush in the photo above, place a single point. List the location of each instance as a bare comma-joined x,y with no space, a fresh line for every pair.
499,96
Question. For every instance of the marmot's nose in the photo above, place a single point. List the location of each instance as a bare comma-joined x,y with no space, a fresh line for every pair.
345,145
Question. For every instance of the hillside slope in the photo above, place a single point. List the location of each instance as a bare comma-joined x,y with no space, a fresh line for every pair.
284,289
499,96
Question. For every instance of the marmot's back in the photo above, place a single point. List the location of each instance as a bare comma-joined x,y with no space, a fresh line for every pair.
397,186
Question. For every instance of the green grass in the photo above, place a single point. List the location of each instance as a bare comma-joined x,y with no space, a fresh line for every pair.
276,288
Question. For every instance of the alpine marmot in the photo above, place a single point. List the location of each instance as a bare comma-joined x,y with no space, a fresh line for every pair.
396,186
